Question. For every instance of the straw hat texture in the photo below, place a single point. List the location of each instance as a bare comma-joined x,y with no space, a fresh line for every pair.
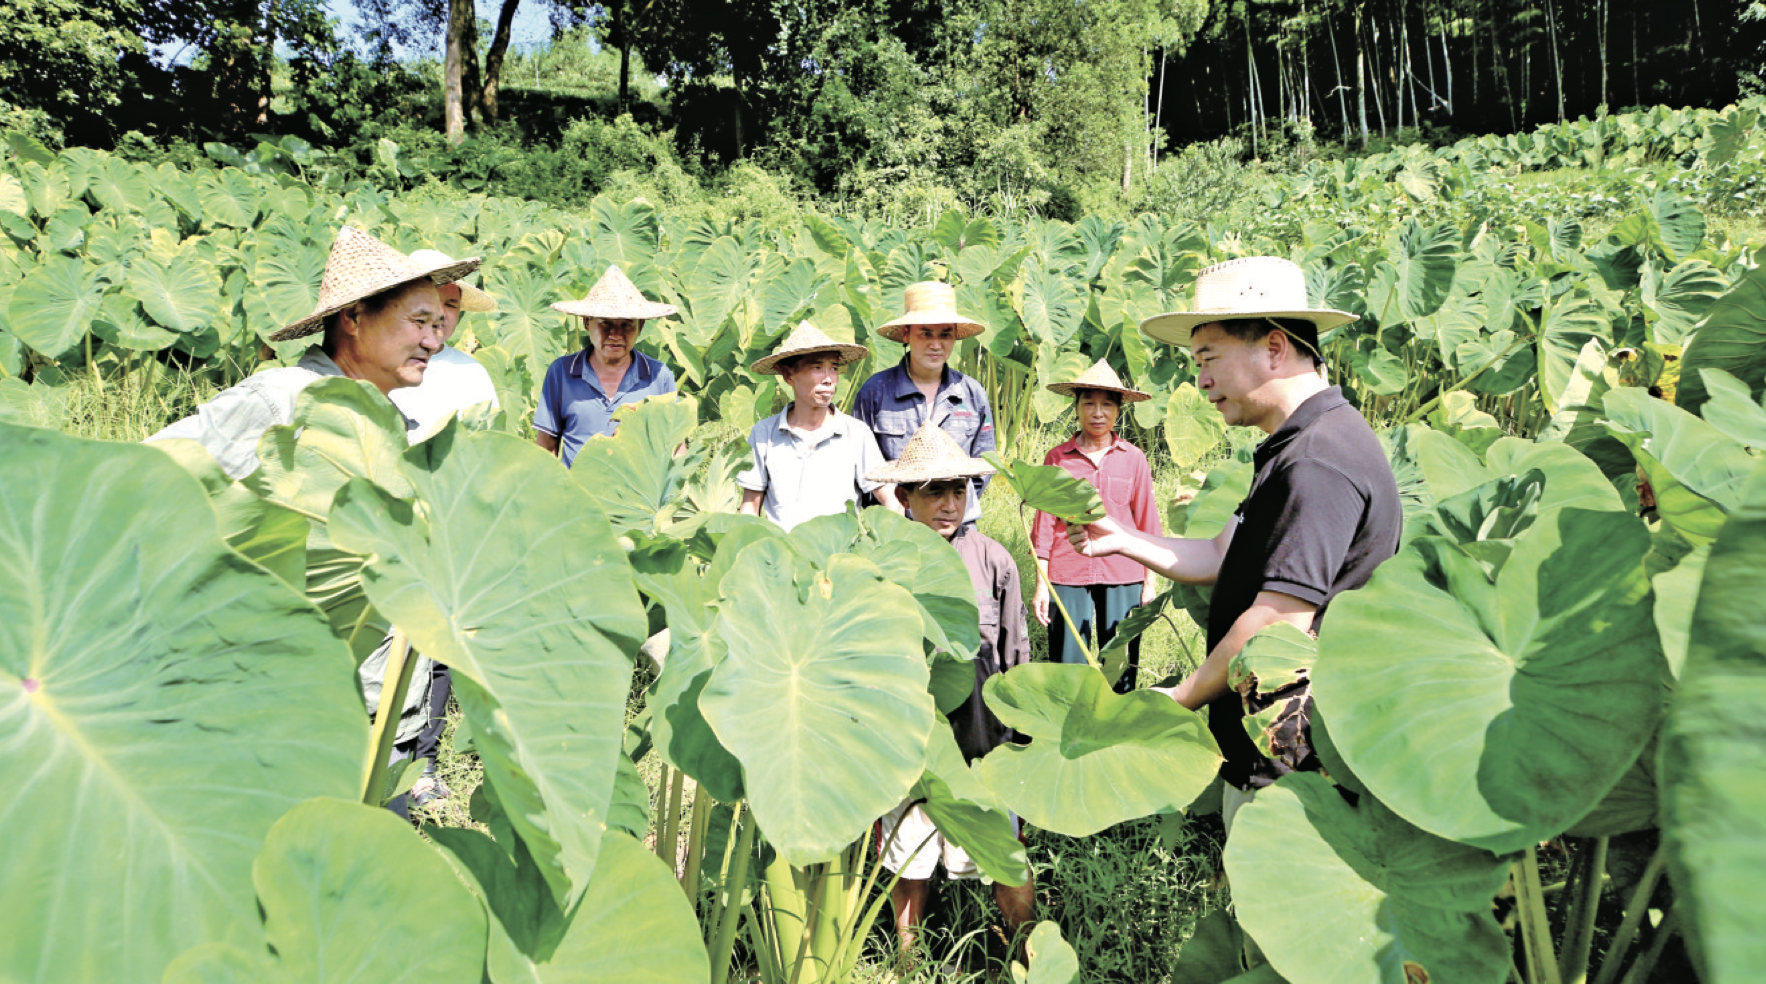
930,455
806,338
471,298
361,266
1252,287
930,303
615,296
1099,377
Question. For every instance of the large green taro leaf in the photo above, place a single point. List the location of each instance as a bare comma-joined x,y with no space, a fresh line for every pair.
1052,959
622,234
1336,894
634,476
1497,711
1566,326
912,555
1051,303
1714,753
165,700
1096,757
349,893
525,325
273,536
507,573
1570,478
966,811
342,429
1696,471
54,305
822,696
1192,426
1050,489
1733,410
182,293
1732,338
683,738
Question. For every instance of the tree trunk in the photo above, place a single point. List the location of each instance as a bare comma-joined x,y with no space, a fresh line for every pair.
1601,32
1447,72
1374,56
736,83
460,18
1557,65
1342,98
622,37
470,77
1159,111
1361,76
493,60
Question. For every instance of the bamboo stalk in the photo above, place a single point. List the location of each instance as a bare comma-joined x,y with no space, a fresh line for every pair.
392,690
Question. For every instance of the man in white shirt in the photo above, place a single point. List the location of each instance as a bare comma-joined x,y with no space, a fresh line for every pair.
455,380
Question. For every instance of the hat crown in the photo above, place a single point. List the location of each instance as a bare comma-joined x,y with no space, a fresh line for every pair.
806,337
930,455
1099,375
360,264
1253,283
930,296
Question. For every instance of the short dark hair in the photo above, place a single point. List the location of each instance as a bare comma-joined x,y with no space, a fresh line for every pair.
790,363
909,488
1303,333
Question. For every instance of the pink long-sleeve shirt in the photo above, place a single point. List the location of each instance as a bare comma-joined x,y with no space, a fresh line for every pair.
1125,482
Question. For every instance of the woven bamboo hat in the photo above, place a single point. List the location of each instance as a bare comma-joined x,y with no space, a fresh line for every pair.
361,266
804,339
1251,287
930,455
615,296
930,303
1100,377
471,298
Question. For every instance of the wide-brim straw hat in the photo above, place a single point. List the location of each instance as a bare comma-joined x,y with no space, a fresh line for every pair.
1251,287
930,455
804,339
1099,377
930,302
361,266
472,299
614,296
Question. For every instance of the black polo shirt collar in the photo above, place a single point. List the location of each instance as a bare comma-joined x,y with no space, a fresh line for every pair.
1312,408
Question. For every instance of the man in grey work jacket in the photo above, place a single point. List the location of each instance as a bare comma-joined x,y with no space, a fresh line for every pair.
1323,509
895,402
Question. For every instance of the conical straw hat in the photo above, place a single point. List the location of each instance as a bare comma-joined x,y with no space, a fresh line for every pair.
1252,287
1100,377
471,298
930,455
930,303
615,296
806,338
361,266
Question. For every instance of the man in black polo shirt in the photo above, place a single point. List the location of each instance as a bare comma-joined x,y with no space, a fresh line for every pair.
1323,509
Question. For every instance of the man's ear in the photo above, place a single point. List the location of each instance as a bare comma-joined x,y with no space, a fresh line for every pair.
900,496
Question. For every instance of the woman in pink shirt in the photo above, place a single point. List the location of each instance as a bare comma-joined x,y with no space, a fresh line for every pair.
1097,592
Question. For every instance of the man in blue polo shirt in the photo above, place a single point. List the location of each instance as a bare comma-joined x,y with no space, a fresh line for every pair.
895,402
583,389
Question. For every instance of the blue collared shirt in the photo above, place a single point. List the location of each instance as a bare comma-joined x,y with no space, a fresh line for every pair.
893,408
573,408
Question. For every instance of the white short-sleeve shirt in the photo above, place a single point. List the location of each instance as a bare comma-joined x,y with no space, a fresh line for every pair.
805,476
453,382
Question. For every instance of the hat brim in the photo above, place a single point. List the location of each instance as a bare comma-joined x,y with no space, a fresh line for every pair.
475,301
896,331
1070,389
846,352
892,474
446,273
635,312
1175,327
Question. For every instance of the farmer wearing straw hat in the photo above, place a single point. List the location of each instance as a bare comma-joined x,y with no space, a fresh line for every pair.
582,390
932,478
382,320
895,402
454,380
1323,509
1096,591
809,459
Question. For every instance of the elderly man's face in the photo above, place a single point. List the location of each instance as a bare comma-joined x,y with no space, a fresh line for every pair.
391,347
937,504
613,338
813,379
450,302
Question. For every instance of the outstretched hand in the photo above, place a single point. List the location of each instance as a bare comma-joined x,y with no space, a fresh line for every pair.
1100,539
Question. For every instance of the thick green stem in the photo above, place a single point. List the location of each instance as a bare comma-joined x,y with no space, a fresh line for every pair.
1423,410
668,843
386,717
1640,971
1542,964
664,783
725,942
1634,913
696,845
805,967
1055,597
1584,906
787,908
